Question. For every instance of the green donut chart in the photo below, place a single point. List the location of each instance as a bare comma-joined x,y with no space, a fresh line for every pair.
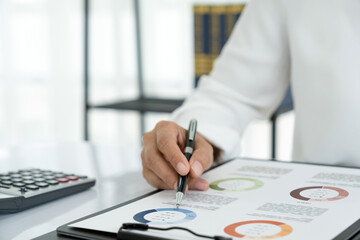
236,184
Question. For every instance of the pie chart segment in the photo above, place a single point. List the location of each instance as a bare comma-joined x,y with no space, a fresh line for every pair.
236,184
165,216
258,229
319,193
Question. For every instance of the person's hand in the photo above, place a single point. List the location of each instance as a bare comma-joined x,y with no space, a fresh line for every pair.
163,158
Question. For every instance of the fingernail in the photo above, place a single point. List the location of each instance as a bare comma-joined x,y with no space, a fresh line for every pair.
201,186
181,168
197,168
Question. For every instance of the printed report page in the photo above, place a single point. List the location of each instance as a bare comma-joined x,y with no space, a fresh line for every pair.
250,199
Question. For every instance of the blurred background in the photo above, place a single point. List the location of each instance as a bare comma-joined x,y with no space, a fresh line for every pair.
44,62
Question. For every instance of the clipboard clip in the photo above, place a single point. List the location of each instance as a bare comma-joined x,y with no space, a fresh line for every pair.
122,233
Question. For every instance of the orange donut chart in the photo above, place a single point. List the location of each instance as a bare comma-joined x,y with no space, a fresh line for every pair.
285,229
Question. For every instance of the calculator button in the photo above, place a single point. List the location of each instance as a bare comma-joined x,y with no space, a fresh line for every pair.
32,187
25,173
81,176
39,179
4,186
49,177
16,179
5,178
37,175
62,180
47,173
42,184
18,184
72,178
52,182
15,175
6,182
27,177
59,175
28,182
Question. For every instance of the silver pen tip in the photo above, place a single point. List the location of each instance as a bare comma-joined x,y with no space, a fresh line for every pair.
179,196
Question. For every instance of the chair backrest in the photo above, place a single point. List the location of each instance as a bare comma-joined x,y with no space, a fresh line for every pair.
213,26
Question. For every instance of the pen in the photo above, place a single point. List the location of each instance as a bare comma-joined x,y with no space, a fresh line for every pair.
189,148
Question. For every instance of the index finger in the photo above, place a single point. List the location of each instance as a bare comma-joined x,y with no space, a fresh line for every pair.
170,142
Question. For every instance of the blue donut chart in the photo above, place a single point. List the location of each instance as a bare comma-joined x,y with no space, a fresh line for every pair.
189,215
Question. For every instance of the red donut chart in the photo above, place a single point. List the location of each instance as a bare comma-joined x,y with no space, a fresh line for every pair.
284,229
318,193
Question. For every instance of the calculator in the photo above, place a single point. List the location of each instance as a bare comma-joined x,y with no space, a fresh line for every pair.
23,189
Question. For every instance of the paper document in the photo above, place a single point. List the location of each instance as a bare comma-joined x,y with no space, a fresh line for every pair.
251,199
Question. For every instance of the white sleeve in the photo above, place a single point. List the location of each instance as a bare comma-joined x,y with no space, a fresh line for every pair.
248,81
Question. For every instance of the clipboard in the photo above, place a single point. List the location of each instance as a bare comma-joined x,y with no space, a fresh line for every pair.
66,230
352,232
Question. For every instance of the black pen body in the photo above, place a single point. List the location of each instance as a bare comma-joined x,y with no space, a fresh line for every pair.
183,180
188,151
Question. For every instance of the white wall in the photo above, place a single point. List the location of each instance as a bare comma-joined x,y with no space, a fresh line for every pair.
40,70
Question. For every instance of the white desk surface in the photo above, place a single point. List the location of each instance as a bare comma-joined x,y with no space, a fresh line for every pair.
117,171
